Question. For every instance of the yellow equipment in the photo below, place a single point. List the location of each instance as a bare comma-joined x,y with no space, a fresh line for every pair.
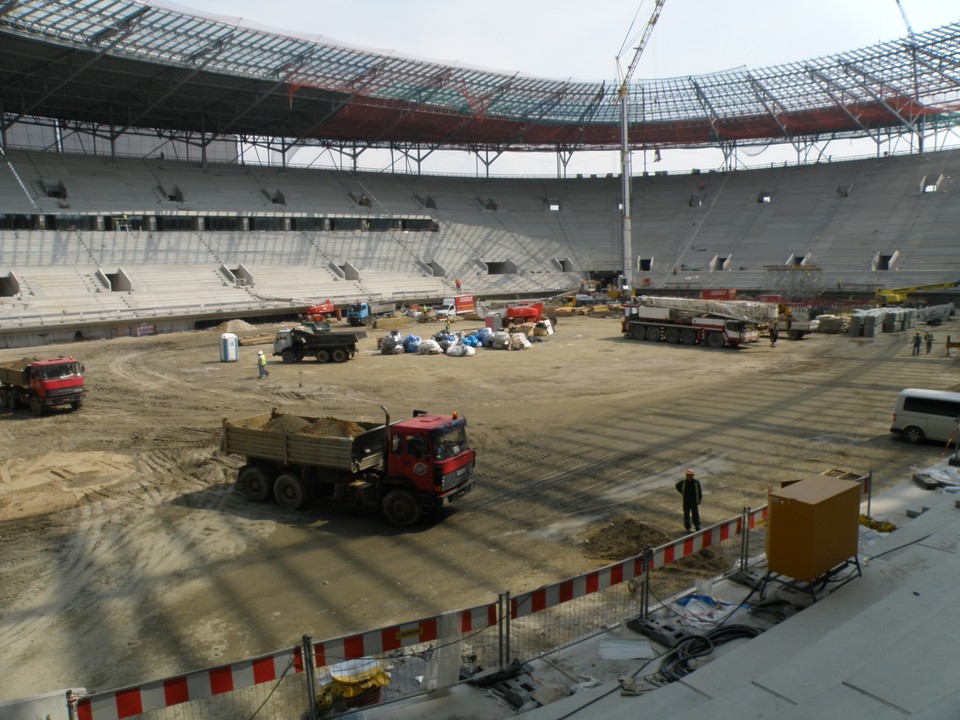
891,296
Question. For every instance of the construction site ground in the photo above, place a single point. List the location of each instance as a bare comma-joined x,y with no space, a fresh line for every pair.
128,555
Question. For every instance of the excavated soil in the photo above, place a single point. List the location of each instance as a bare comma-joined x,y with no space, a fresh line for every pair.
128,554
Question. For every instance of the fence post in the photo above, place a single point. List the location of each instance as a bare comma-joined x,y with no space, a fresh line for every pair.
311,676
71,705
645,585
506,624
745,540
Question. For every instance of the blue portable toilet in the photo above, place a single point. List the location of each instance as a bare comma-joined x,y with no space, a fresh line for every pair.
229,348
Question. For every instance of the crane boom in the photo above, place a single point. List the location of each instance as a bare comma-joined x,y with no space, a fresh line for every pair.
625,172
903,14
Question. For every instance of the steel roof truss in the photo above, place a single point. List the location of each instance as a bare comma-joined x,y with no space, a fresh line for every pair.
828,84
852,70
773,107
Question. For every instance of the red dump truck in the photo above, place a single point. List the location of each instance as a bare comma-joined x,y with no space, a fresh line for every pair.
41,384
406,469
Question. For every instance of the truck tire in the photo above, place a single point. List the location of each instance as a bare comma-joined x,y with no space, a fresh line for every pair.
76,404
914,435
400,508
636,332
36,407
12,399
688,337
794,334
339,355
254,483
672,335
288,356
288,492
323,356
653,332
715,340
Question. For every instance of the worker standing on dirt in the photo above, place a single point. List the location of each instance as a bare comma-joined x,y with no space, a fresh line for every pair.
262,365
916,342
692,493
774,334
928,341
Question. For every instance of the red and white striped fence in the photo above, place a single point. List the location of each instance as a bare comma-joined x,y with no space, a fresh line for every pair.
203,684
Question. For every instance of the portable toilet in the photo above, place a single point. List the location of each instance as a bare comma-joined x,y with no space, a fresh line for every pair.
229,348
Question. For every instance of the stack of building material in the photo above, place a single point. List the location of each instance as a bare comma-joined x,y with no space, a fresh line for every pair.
834,323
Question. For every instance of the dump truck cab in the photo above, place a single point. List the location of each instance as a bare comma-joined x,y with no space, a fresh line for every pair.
431,453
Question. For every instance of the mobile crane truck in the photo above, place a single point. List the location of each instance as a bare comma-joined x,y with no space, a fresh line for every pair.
41,384
406,469
715,323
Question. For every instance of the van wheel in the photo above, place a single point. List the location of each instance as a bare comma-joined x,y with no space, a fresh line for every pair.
913,435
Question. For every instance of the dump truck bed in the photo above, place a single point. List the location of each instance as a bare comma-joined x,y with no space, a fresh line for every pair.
11,372
330,443
329,339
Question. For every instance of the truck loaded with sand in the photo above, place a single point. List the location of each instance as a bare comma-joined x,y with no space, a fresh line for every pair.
406,469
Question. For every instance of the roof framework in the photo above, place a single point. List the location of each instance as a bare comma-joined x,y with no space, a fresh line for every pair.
120,65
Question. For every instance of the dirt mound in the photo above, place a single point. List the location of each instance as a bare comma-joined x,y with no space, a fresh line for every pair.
286,423
235,326
622,537
331,427
324,427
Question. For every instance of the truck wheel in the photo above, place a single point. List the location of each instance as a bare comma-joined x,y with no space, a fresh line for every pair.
36,407
254,483
688,337
672,335
339,355
288,356
288,492
12,399
76,404
794,334
401,508
323,356
715,340
913,435
653,332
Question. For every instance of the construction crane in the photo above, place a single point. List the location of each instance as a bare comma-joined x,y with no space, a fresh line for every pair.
889,296
903,14
626,280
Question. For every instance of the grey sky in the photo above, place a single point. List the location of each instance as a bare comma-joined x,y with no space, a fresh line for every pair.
580,40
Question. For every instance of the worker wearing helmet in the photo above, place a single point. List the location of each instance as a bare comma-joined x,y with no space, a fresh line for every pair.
262,365
692,493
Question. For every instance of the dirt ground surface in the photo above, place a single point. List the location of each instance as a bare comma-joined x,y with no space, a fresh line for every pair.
128,555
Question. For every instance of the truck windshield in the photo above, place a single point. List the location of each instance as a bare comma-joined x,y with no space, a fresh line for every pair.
450,444
55,372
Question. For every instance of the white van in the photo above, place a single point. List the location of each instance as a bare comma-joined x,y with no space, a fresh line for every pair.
926,415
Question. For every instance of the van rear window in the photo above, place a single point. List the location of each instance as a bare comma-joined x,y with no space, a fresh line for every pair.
929,406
